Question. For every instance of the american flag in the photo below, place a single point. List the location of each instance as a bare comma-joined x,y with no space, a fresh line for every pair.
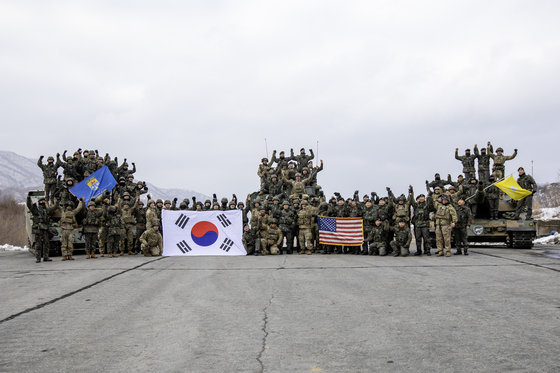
341,231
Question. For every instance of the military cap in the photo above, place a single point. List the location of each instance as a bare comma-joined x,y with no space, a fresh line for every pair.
50,158
285,202
159,201
276,198
420,195
140,202
295,201
402,220
198,203
167,202
451,187
91,203
92,152
302,149
150,201
126,194
224,200
207,201
500,150
122,178
240,204
273,221
273,176
69,203
436,188
445,197
155,224
298,174
264,160
68,159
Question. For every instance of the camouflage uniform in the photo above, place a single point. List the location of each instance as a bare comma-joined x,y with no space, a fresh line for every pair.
41,215
468,162
68,223
302,159
70,168
306,220
129,226
90,227
526,182
369,217
464,219
403,237
498,169
298,186
421,221
483,162
140,217
249,239
492,194
114,231
445,216
287,220
273,239
376,239
152,242
49,177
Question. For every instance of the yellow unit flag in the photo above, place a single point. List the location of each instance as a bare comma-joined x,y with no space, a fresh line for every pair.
512,189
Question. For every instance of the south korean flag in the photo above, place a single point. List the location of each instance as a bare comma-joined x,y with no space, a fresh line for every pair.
202,233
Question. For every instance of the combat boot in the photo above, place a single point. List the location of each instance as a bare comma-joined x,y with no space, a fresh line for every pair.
70,257
418,253
458,252
309,252
466,252
47,259
87,255
102,254
448,253
38,260
122,253
440,253
130,252
65,257
427,252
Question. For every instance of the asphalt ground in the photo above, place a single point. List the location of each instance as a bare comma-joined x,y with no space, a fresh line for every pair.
497,310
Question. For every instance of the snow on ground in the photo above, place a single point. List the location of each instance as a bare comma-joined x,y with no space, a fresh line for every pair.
547,213
553,239
8,247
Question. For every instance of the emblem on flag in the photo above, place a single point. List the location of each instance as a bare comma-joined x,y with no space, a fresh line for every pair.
94,186
202,233
340,231
93,183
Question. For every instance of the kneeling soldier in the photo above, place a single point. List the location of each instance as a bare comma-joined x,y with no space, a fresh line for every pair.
401,242
152,242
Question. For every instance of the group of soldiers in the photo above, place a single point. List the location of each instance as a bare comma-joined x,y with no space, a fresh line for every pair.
284,211
281,217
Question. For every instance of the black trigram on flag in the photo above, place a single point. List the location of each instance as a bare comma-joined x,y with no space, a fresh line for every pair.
182,221
226,245
224,220
184,247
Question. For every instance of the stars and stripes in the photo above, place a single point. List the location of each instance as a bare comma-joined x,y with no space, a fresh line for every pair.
340,231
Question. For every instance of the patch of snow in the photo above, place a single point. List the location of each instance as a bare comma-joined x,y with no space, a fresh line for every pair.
548,213
8,247
553,239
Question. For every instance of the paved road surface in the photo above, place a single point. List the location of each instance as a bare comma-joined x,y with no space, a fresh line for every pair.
496,310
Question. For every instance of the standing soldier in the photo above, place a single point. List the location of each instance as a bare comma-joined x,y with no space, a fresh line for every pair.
287,221
90,225
249,239
526,182
69,167
41,224
421,221
370,216
152,242
302,159
264,167
49,178
483,162
68,223
468,162
102,236
152,216
140,216
446,217
498,169
114,231
464,220
128,217
298,186
438,182
492,193
403,237
306,219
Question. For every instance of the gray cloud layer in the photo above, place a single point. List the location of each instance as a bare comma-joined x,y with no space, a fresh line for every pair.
189,90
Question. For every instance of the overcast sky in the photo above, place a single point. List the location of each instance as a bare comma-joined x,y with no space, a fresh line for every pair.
189,90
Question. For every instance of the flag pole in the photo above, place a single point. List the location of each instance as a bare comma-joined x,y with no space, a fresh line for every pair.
316,161
503,178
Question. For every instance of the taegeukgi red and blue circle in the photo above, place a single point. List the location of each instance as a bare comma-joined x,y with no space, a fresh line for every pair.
204,233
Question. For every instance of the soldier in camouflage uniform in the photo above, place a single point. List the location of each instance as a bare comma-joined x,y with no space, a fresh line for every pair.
369,217
464,220
298,185
68,223
102,235
140,217
127,213
264,167
70,168
249,239
468,162
282,160
306,220
437,182
401,205
151,241
90,228
41,215
445,219
272,240
152,216
526,182
492,194
421,221
483,158
498,169
403,237
115,227
376,239
49,178
302,159
287,219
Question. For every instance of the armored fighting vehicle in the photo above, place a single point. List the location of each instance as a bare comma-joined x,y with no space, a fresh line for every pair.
79,243
514,233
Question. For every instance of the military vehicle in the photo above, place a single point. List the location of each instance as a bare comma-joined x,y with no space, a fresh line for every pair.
79,242
514,233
